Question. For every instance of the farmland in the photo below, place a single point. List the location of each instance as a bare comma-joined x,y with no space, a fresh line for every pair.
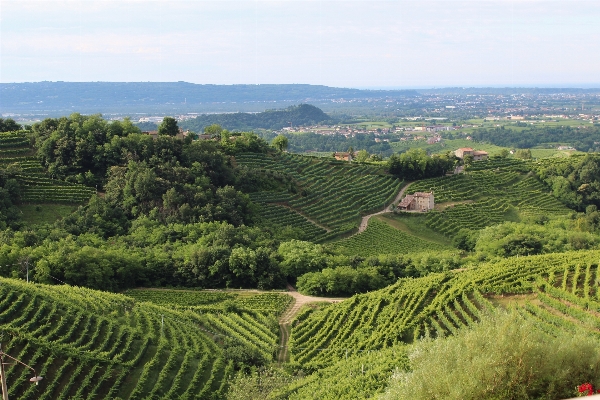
442,304
91,344
37,187
489,193
178,224
326,195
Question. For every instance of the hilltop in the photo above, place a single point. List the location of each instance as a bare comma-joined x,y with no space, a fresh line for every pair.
303,114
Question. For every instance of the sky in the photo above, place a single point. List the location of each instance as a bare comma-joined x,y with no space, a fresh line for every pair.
363,44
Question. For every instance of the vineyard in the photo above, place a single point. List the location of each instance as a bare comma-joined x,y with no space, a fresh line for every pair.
381,238
489,193
561,291
265,302
90,344
333,196
359,376
36,186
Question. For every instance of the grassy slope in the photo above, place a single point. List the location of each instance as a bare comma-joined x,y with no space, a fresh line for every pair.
43,213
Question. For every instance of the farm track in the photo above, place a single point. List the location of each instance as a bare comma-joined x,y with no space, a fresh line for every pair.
312,221
286,318
365,220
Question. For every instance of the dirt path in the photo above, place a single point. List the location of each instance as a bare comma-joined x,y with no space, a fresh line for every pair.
307,218
286,318
365,220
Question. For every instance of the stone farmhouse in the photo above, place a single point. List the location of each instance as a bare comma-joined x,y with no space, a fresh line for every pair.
468,151
342,156
418,201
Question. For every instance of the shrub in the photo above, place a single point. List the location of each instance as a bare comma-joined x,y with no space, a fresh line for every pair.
503,357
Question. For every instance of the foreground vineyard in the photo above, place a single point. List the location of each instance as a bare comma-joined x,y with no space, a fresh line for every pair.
561,288
90,344
334,194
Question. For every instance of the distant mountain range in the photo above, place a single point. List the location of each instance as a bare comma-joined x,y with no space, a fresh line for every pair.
118,97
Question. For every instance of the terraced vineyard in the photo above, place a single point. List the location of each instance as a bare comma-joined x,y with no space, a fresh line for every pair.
334,194
90,344
560,293
497,192
14,144
380,238
37,187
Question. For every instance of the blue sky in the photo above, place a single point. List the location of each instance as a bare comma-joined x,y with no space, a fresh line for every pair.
417,43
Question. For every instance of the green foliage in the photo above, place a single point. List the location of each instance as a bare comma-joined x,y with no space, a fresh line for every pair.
308,142
168,127
341,281
574,180
416,164
511,239
581,138
504,357
299,257
8,125
280,142
259,384
441,304
523,154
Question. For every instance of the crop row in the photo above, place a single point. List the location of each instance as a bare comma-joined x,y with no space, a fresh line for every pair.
380,238
96,345
440,304
334,194
470,216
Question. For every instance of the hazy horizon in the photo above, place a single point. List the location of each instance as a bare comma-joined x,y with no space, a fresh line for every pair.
353,44
496,86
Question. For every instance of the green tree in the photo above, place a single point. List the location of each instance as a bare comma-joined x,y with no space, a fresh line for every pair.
9,125
280,142
524,154
301,257
504,153
362,156
168,127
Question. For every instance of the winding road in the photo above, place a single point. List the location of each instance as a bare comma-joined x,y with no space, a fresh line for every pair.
365,220
299,299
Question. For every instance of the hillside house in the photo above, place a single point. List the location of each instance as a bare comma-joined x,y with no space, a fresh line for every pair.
418,201
343,156
477,155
